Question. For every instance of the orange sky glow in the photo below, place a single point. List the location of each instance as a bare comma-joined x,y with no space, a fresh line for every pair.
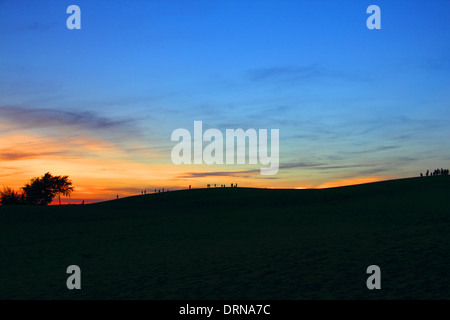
101,171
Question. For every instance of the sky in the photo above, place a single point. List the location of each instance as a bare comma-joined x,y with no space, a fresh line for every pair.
99,104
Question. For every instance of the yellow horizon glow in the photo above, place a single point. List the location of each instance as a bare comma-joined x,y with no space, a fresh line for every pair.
100,170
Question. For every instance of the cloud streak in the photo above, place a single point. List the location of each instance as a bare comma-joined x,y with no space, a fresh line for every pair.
256,172
376,149
283,72
13,154
240,174
40,118
37,26
298,73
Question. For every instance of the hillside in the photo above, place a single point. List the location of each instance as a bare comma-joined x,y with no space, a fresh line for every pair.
235,243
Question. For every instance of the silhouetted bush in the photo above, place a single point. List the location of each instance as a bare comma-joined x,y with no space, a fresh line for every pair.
10,197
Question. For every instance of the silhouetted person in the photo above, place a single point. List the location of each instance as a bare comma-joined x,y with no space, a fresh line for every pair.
82,202
421,174
428,171
189,187
117,197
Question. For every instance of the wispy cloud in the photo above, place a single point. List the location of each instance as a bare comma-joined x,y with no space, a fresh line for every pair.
283,72
301,165
255,173
240,174
320,166
37,26
370,171
10,171
32,118
14,154
299,73
372,150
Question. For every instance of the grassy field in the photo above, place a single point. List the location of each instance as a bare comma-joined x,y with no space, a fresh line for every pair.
235,243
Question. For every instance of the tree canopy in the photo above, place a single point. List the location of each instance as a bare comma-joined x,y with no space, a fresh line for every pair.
42,190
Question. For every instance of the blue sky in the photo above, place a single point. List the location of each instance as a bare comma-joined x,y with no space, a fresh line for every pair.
349,102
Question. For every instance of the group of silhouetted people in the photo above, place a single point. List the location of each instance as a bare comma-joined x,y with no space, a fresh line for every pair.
437,172
233,185
156,190
145,192
221,186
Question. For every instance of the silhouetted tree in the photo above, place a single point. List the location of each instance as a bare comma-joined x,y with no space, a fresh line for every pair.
42,190
62,187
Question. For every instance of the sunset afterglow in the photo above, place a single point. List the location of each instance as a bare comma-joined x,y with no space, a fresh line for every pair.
99,104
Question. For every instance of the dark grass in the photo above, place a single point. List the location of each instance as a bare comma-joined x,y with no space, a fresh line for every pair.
235,243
